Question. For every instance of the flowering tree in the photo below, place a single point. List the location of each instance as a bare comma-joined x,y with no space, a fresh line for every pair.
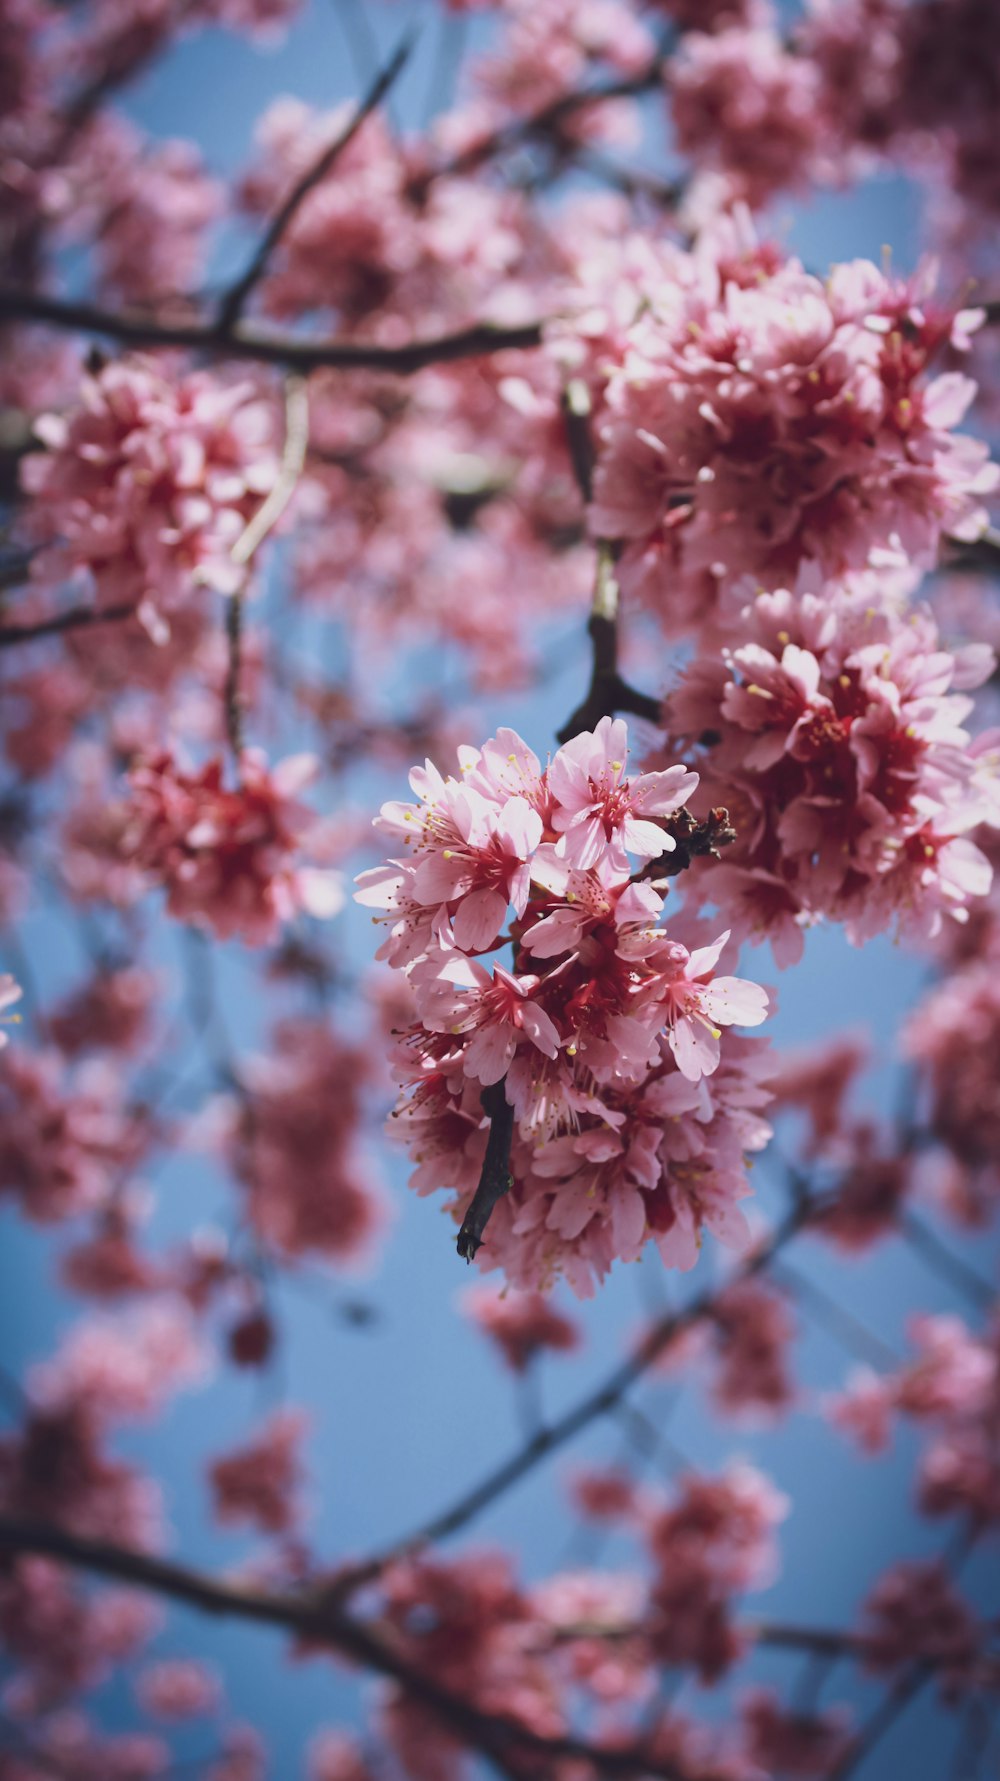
302,472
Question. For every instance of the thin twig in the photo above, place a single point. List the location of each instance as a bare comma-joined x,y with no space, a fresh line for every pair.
268,513
544,123
949,1266
847,1329
235,299
293,458
598,1402
232,697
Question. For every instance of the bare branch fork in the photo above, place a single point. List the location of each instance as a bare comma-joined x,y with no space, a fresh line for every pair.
235,299
603,1399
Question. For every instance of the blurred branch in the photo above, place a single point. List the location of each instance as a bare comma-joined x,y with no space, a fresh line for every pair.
847,1329
133,328
607,692
74,619
543,125
948,1266
232,698
315,1615
599,1402
293,458
975,553
235,299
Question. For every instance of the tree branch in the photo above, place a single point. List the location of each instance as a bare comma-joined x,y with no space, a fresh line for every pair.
76,618
316,1616
267,346
543,123
495,1178
235,299
580,1415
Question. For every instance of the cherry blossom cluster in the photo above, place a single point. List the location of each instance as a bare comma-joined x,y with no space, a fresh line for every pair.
763,423
951,1390
309,1187
259,1484
521,1325
56,1467
68,1139
146,485
479,1633
230,859
631,1118
836,731
853,83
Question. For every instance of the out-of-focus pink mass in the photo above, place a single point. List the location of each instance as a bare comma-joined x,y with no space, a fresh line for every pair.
514,398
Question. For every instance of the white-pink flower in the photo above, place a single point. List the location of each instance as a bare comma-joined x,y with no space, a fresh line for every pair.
599,811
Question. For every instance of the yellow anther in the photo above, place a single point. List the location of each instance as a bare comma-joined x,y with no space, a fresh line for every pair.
843,680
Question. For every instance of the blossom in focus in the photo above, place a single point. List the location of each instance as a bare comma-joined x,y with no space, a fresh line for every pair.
632,1107
230,859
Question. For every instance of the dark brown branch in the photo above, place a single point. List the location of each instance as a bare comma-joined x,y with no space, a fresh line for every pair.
975,553
316,1616
607,692
235,299
495,1178
74,619
268,347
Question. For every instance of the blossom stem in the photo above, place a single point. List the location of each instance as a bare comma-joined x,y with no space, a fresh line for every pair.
495,1179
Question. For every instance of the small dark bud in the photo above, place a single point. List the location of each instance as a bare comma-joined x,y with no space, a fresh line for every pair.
251,1341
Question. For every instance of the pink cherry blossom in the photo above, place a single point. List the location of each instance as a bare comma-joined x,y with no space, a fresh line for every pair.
148,483
229,859
260,1483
